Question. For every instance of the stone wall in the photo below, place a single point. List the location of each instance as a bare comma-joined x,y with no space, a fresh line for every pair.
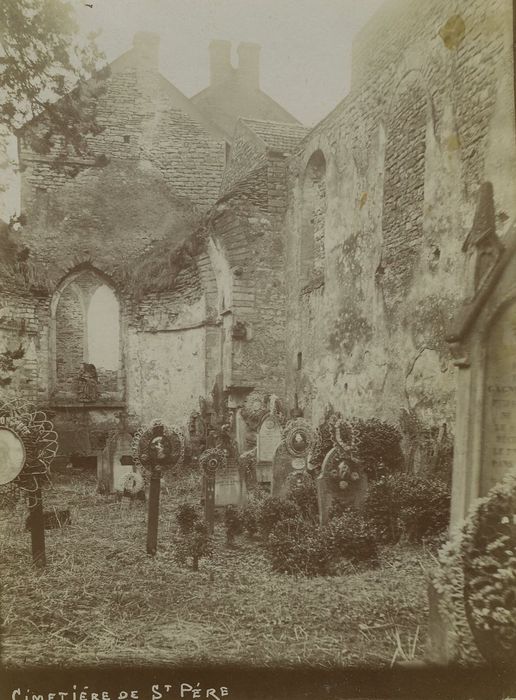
430,117
246,231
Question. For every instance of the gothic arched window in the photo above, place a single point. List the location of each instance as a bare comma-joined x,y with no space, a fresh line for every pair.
86,339
313,220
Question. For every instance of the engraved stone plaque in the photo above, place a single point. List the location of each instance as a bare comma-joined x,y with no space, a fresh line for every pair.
269,438
499,428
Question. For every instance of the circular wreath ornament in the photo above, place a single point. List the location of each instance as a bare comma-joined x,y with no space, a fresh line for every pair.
212,461
158,446
298,437
28,445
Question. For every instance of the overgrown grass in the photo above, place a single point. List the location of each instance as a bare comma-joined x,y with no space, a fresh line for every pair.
102,600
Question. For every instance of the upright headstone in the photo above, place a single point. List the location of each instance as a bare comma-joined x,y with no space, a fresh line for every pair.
281,470
230,488
291,456
483,343
269,438
115,461
340,481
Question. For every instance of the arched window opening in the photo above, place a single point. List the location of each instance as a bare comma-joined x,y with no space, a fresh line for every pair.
87,339
403,198
313,220
103,340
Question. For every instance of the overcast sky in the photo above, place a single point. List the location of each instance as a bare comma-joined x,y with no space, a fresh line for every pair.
306,44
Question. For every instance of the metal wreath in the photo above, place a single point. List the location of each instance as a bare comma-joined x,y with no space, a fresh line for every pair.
143,438
213,460
39,439
294,428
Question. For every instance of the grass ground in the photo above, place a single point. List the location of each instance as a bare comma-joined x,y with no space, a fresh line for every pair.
102,600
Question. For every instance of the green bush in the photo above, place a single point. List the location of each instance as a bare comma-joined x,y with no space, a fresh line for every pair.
272,511
349,536
304,495
296,547
488,550
378,447
251,513
376,444
186,516
408,507
233,522
193,544
448,581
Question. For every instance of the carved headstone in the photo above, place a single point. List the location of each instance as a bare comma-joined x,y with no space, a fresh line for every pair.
281,470
115,461
230,488
269,437
291,456
340,480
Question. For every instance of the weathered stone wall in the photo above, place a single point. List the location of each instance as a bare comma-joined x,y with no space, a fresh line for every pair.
246,231
430,117
19,328
247,153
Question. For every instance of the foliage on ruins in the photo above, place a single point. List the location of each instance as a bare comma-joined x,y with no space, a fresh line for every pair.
163,265
42,57
17,271
8,364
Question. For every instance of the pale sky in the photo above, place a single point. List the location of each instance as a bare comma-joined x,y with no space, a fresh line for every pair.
306,44
305,57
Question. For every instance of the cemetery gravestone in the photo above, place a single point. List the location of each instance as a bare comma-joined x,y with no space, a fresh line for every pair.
230,487
281,470
115,461
269,437
291,456
340,480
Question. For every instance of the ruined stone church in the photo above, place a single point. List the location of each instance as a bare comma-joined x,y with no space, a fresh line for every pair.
215,241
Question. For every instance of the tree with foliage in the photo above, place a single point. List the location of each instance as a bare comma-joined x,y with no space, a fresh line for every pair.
42,58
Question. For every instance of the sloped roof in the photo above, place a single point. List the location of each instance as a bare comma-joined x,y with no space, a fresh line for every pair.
278,135
225,103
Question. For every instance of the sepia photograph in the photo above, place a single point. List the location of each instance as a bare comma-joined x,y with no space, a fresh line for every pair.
257,349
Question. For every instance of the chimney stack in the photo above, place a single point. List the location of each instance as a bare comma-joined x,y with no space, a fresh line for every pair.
249,64
220,61
146,46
